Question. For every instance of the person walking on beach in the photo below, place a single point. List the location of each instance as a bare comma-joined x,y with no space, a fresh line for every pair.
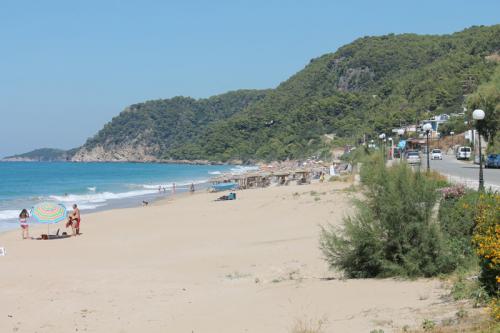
74,220
23,222
173,188
191,188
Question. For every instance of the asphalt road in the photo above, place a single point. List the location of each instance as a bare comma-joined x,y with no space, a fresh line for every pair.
464,171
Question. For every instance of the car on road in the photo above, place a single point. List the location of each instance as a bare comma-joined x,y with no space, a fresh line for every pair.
463,153
436,154
491,161
413,157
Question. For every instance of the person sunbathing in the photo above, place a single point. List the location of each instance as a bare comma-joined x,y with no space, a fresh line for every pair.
230,196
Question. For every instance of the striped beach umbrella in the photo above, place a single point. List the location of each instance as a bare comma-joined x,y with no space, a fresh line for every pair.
48,212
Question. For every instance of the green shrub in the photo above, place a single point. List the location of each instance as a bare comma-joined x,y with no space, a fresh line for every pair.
360,254
428,325
461,314
456,219
486,239
471,289
392,232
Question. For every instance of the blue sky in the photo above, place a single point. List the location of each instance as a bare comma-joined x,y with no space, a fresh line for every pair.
68,67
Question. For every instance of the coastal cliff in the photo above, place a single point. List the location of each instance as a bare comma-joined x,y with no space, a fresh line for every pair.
119,153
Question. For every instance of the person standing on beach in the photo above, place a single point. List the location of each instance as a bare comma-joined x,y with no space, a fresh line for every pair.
23,222
74,220
191,188
173,188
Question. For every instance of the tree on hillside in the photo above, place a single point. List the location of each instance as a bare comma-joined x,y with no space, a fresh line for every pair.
487,98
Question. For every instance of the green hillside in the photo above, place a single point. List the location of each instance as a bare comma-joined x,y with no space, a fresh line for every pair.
366,87
171,123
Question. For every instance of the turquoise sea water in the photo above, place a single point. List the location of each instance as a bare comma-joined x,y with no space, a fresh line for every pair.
93,185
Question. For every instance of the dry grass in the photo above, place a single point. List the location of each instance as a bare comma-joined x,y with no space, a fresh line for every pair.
346,178
309,325
437,176
493,57
472,324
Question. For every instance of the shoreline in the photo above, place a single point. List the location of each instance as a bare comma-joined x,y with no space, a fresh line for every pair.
7,225
95,191
159,161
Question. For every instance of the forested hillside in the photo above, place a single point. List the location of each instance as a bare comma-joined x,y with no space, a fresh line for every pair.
147,131
366,87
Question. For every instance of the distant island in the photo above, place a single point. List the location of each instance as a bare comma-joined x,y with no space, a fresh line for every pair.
42,155
365,88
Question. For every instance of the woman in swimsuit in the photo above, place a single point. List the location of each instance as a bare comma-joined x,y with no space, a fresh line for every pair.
23,222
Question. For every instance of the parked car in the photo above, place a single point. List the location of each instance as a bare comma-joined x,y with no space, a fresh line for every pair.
491,161
413,157
436,154
463,153
497,161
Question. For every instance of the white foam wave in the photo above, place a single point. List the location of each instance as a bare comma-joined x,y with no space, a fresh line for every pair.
214,172
84,206
9,214
178,185
98,197
92,189
155,187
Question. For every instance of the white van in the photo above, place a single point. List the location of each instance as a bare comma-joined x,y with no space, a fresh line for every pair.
463,153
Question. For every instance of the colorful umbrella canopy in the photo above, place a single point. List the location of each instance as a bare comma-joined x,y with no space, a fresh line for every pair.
48,212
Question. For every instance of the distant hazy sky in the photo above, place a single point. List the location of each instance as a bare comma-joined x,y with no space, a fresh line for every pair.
67,67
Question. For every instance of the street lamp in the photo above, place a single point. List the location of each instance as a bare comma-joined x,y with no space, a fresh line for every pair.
400,133
392,148
428,128
479,115
382,140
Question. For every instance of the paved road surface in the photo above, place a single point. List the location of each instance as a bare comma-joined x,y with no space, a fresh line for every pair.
463,171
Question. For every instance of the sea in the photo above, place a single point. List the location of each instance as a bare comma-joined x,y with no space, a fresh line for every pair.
96,186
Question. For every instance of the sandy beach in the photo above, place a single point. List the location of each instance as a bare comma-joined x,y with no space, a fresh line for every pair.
191,264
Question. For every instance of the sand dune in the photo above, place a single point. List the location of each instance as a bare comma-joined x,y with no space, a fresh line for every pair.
194,265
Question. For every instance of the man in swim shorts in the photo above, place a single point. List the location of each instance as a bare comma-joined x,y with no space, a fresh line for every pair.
74,220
